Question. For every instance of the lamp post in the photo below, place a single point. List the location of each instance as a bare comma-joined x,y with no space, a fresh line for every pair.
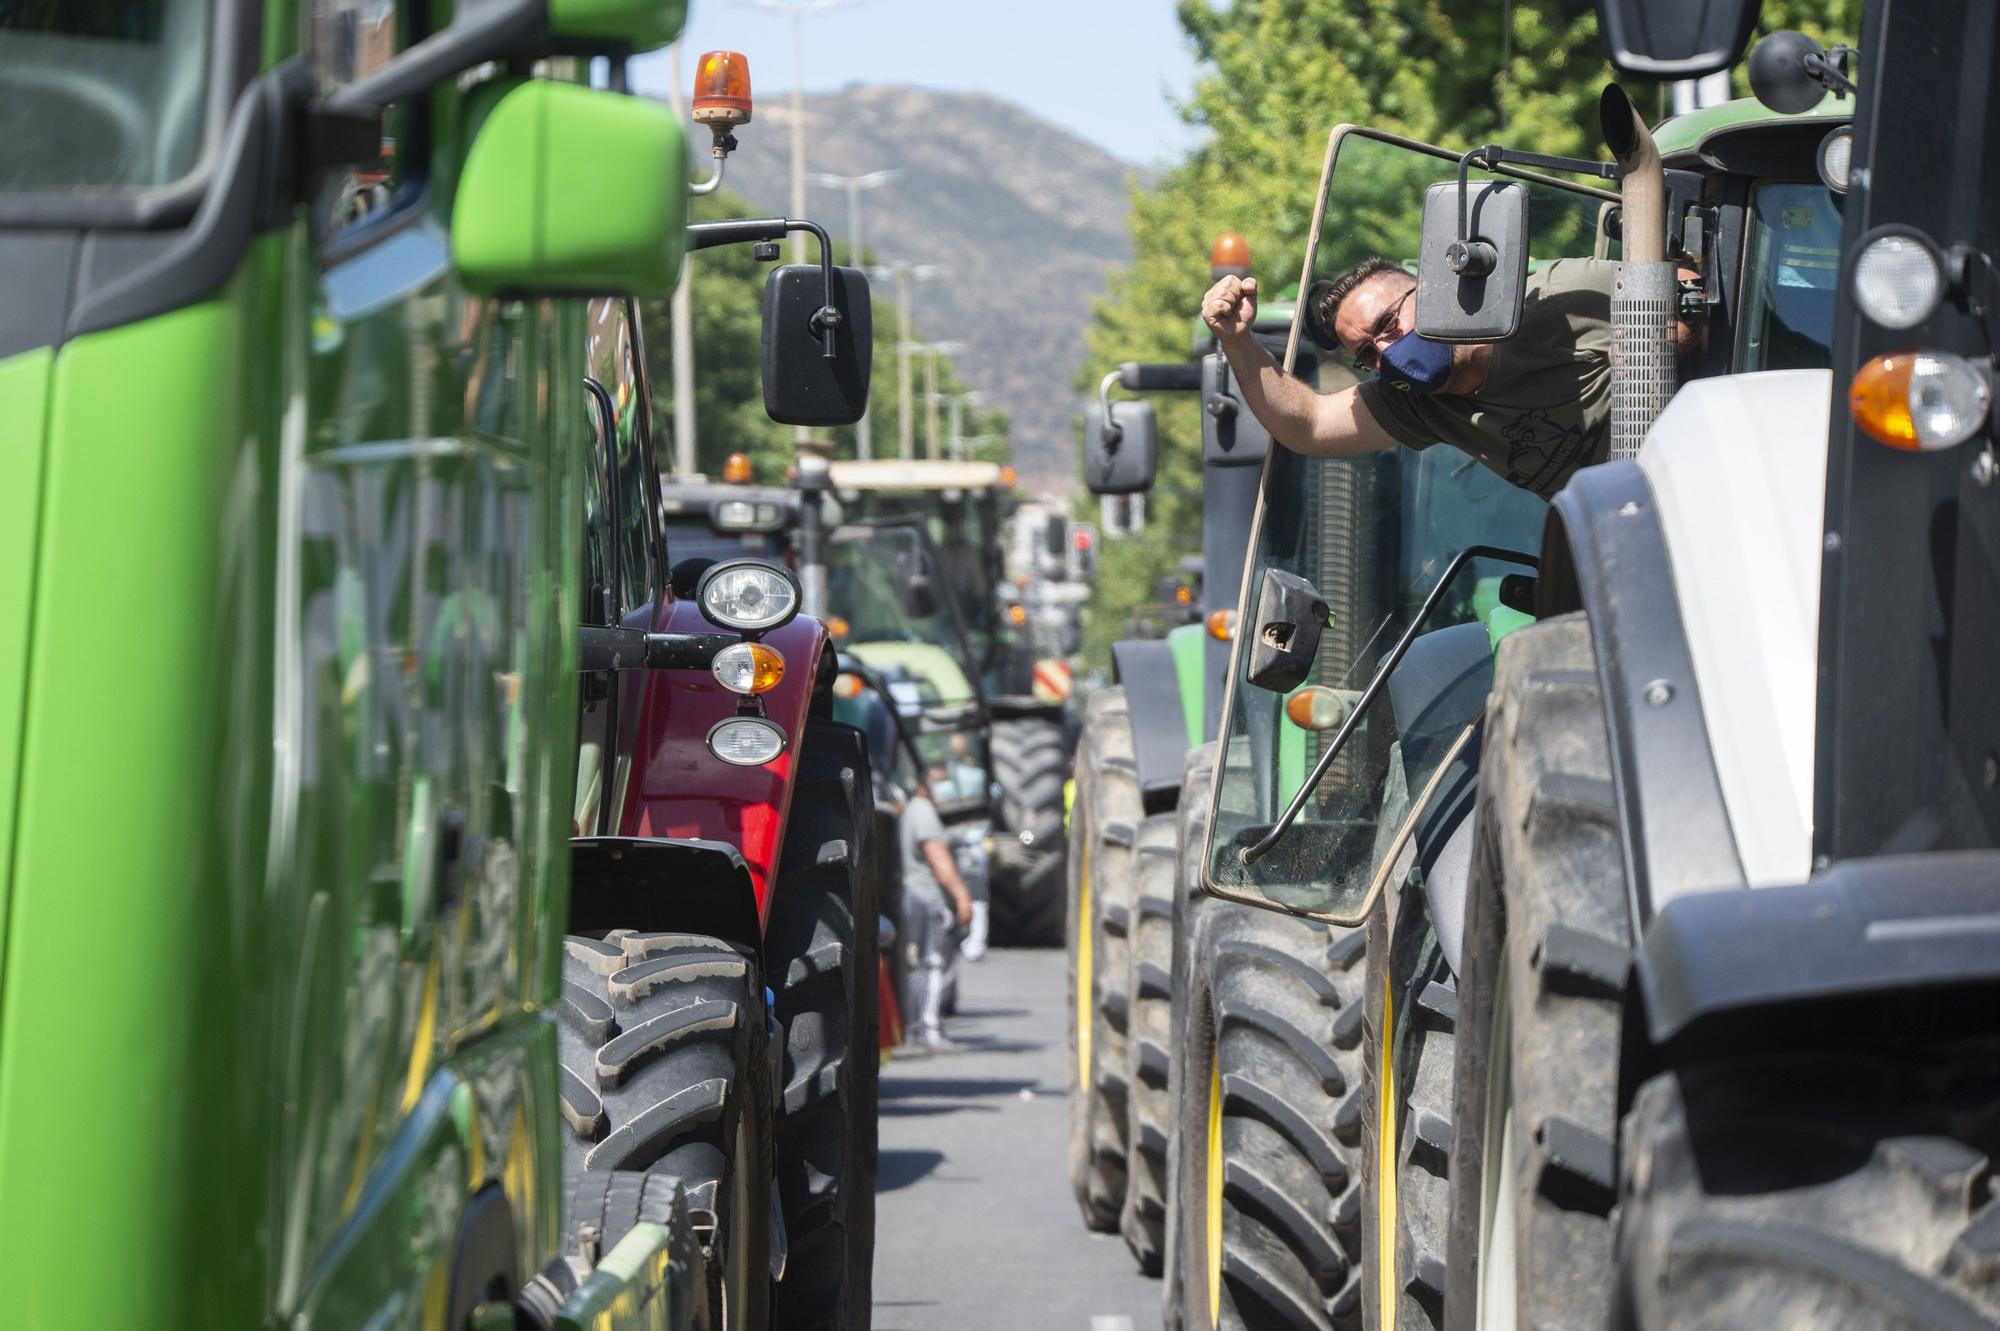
798,9
905,275
931,350
864,441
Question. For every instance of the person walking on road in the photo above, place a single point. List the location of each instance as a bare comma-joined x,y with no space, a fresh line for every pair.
935,902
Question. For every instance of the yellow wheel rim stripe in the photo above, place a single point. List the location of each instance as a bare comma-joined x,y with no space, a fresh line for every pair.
1385,1170
1214,1193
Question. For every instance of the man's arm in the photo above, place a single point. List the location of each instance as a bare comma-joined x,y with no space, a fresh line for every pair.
1302,420
938,855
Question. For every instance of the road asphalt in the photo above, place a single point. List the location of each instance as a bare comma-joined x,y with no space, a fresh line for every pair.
975,1227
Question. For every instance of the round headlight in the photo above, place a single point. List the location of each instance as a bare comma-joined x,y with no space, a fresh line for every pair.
1898,279
746,741
748,595
1836,158
1949,396
748,667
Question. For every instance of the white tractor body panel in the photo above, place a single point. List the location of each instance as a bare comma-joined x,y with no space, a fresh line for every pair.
1738,467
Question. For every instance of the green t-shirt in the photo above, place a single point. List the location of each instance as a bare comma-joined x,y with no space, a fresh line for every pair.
1545,408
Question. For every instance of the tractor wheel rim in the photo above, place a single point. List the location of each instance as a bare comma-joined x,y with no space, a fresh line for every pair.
1499,1174
1212,1190
1086,994
1386,1283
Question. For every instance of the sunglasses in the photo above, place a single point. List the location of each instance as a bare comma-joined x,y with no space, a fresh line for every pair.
1368,357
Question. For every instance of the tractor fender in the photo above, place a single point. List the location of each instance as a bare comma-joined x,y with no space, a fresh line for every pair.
662,884
1895,952
1738,471
680,790
1442,682
1604,552
1144,667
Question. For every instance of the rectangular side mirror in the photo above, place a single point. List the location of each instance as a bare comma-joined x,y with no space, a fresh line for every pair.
539,214
1230,435
802,384
1120,461
1672,39
1480,301
1290,615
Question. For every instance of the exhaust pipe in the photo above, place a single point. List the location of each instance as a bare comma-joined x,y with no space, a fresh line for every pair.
1644,292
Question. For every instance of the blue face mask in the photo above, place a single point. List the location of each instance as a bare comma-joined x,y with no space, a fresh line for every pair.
1416,364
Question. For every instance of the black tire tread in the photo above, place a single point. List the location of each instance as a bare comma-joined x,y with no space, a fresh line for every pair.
1149,1105
1027,881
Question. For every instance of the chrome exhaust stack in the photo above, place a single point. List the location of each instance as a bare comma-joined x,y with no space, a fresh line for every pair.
1645,290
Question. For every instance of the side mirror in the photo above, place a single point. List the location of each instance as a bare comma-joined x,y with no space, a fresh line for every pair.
920,596
537,214
1290,615
819,344
1230,435
1119,444
1472,264
1672,39
1782,71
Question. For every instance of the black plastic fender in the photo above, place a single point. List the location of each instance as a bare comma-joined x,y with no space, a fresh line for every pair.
1603,552
1894,952
660,883
1145,668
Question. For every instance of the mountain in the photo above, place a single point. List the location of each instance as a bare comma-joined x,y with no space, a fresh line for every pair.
1025,217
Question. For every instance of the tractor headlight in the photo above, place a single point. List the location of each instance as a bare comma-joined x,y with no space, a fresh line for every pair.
748,668
1836,159
1898,278
749,595
745,515
1921,400
746,741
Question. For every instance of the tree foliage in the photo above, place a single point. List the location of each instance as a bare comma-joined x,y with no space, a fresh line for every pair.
1276,76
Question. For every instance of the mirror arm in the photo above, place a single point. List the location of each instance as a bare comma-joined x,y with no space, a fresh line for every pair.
1109,432
1265,845
714,182
1829,70
1476,258
492,31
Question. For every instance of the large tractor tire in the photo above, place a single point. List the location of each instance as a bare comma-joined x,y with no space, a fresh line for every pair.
1104,822
1408,1046
1191,845
666,1074
1149,1102
1547,943
822,947
1268,1115
1030,761
1855,1191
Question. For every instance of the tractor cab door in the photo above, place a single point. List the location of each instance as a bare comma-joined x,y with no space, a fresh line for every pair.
624,566
1372,536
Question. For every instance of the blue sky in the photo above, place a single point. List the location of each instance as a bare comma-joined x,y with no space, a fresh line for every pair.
1106,68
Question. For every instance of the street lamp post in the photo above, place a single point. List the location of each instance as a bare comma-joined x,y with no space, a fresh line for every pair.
864,442
905,275
931,350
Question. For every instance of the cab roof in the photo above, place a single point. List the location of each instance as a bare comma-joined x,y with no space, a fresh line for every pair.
1746,137
915,474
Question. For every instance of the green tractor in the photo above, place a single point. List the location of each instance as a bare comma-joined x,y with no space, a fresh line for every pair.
1145,762
1652,815
339,268
960,509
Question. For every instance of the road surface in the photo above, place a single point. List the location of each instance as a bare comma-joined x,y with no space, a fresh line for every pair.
975,1227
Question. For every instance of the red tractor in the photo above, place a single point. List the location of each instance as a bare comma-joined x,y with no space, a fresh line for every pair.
718,1021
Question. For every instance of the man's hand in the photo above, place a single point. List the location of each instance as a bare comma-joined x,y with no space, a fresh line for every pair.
961,907
1230,306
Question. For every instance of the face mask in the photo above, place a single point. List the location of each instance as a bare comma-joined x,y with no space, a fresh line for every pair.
1416,364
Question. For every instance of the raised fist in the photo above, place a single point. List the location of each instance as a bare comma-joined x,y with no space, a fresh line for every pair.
1230,306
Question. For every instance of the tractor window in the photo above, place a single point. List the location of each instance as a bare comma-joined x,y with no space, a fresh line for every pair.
1373,534
109,95
1794,270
